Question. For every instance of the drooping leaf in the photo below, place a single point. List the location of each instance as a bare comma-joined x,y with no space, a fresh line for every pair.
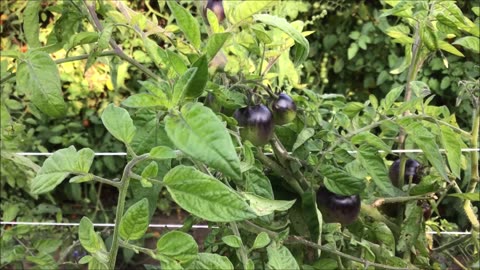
199,133
37,75
144,100
215,43
302,137
186,22
118,123
313,216
182,84
31,26
178,246
135,221
162,152
58,166
261,241
340,182
263,206
301,43
384,235
469,42
410,229
425,140
208,261
280,258
90,240
451,141
204,196
232,241
237,11
474,197
373,164
369,138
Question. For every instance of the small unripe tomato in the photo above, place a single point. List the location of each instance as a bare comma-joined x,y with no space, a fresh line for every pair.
256,124
284,109
338,208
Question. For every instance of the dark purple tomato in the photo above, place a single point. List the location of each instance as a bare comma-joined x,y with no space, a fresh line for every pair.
217,7
412,169
256,124
284,109
337,208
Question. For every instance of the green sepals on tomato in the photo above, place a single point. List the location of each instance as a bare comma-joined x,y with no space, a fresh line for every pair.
256,124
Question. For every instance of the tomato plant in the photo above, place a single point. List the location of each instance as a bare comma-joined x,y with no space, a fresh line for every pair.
185,89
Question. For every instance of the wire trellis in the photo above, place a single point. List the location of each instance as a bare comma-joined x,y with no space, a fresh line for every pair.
174,226
350,152
167,226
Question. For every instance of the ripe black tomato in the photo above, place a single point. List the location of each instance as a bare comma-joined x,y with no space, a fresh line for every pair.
256,124
284,109
412,169
337,208
217,7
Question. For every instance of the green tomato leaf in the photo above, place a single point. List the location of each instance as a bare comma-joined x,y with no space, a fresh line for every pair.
177,63
200,134
151,170
232,241
144,100
449,48
162,152
469,42
182,84
341,182
474,197
302,137
178,246
390,98
451,141
38,77
82,178
91,241
208,261
237,11
215,43
160,89
425,140
312,216
410,227
118,123
384,236
58,166
204,196
369,138
301,43
31,25
186,22
263,206
261,241
374,165
199,80
134,222
280,258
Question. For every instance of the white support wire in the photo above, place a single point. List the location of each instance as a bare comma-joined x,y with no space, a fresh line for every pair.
169,226
350,152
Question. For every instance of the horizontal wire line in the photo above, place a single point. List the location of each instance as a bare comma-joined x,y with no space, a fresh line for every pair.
350,152
98,224
162,226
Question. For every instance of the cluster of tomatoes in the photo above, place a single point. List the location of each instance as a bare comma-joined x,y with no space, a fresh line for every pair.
257,125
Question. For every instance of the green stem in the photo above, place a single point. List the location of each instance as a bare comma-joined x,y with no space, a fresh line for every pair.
297,239
381,201
279,171
123,190
376,215
243,250
137,249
